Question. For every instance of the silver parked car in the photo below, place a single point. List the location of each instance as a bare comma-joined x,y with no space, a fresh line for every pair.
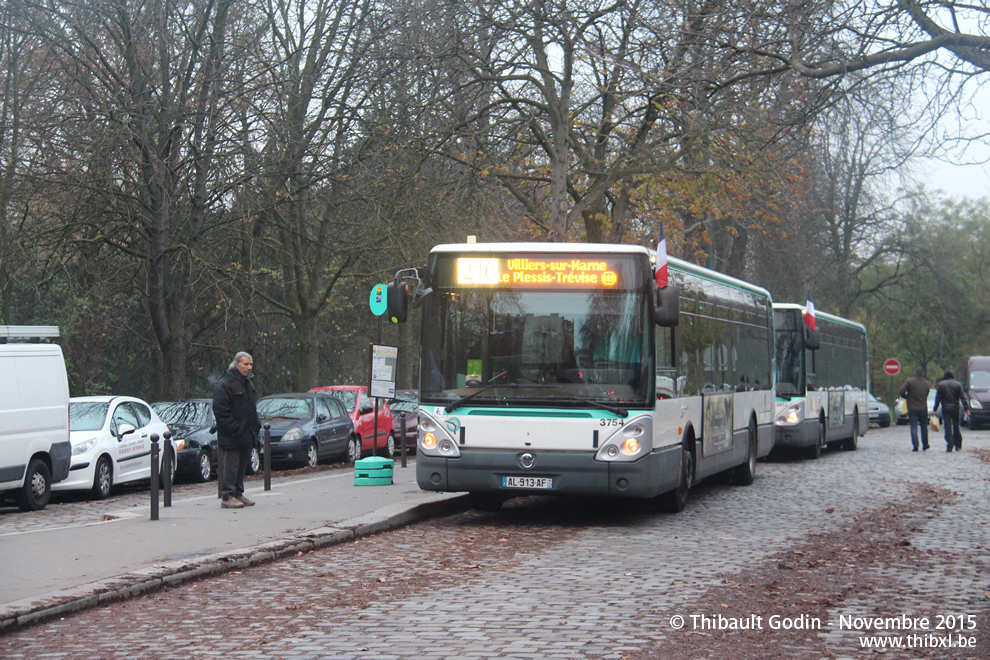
879,412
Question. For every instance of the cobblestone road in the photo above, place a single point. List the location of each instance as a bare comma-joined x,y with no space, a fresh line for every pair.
552,579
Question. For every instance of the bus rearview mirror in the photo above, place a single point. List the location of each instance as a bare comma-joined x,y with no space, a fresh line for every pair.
668,310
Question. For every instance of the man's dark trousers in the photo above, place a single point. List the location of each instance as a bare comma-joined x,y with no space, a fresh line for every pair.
916,418
953,435
234,464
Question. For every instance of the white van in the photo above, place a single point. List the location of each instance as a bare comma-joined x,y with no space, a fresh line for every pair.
34,415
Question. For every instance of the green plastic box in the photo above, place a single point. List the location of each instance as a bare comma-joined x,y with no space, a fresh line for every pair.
373,471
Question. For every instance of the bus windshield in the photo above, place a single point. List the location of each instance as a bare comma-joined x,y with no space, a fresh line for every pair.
789,336
522,347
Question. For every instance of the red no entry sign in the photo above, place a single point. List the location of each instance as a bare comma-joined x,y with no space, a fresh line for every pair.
892,367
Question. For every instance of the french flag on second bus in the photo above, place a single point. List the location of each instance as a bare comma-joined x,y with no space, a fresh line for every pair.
809,313
662,259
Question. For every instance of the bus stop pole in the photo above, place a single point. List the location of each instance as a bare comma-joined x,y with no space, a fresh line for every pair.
892,400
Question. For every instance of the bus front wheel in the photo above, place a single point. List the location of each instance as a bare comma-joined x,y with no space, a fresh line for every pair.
674,501
745,474
850,444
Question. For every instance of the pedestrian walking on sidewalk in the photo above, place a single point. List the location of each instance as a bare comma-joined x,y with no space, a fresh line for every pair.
950,395
236,411
915,393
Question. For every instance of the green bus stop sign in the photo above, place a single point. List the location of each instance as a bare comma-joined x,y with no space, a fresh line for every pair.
378,300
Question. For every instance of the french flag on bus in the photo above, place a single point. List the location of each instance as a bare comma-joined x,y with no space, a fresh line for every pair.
809,313
662,278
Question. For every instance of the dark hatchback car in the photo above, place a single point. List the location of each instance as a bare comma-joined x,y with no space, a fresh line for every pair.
195,434
306,427
194,431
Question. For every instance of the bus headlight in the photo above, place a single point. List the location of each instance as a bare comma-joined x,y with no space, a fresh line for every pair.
631,442
791,415
435,439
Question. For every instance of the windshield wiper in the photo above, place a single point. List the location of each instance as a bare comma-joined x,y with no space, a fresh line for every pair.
621,412
464,399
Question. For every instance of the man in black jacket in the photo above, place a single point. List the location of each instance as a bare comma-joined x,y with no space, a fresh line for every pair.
915,394
949,394
235,407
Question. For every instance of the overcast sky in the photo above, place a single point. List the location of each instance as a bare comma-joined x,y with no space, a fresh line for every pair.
957,181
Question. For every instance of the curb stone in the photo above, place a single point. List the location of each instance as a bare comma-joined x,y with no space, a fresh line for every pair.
24,613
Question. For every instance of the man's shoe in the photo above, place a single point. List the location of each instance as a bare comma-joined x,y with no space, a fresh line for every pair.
232,503
915,449
949,450
925,448
245,500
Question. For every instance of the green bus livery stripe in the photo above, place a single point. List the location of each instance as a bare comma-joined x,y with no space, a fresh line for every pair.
535,412
497,412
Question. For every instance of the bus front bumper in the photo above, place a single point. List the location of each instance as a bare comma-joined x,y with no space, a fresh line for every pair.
803,434
570,473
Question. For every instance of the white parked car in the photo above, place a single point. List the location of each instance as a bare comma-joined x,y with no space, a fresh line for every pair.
111,443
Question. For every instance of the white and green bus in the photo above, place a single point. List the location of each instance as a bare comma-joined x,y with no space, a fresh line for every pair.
562,369
823,382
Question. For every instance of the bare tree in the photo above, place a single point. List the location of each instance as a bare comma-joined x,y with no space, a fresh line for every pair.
855,36
139,134
23,82
938,311
842,239
576,106
306,142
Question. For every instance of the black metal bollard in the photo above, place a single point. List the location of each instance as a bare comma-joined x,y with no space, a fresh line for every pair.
154,476
402,436
168,458
220,454
268,457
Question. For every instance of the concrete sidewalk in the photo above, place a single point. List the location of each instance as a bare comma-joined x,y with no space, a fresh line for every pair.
62,568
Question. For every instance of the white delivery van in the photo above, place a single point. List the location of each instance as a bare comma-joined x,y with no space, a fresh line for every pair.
34,415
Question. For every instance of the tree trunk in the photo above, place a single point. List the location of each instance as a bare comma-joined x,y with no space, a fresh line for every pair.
171,377
308,352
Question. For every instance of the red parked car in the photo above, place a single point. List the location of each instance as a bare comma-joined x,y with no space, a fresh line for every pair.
361,408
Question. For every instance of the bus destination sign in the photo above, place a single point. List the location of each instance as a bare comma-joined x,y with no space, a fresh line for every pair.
537,273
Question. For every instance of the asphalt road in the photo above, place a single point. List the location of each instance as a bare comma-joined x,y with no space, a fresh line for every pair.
855,541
